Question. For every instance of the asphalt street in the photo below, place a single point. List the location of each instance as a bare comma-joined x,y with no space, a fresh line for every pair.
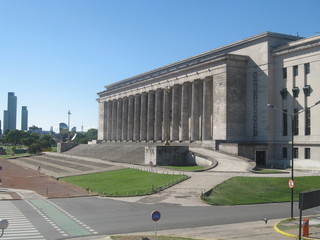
103,216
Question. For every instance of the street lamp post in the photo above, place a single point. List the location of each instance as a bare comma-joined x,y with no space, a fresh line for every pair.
292,116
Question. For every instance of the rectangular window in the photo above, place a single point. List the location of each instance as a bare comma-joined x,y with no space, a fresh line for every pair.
296,122
284,152
307,68
284,73
307,153
295,153
295,70
285,123
307,122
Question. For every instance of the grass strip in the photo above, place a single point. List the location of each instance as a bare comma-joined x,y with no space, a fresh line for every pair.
186,168
125,182
252,190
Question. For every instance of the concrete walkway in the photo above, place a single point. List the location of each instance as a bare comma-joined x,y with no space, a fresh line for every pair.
238,231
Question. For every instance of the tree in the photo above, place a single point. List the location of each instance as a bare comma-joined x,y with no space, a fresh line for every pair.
92,134
34,148
14,137
29,139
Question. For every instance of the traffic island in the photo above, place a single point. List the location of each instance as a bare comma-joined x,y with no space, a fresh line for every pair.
290,227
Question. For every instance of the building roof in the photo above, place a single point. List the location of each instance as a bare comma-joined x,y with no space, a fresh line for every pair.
206,56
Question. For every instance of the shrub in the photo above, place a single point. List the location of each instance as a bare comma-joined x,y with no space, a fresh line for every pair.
34,148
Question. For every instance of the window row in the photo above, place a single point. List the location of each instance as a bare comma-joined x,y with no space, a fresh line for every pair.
307,153
295,70
295,122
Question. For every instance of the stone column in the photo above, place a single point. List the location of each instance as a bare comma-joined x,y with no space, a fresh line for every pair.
125,119
109,121
195,109
137,112
130,118
207,109
150,120
143,117
166,117
185,113
114,120
119,119
175,116
158,115
102,120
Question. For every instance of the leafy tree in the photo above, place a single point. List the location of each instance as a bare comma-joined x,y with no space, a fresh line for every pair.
81,138
14,137
29,139
92,134
34,148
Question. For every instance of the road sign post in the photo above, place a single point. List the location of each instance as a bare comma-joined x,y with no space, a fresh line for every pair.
155,216
291,183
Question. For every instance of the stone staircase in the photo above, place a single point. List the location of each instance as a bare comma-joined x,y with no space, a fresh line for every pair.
59,165
132,153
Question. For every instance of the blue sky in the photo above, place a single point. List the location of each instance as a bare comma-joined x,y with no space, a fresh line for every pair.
56,55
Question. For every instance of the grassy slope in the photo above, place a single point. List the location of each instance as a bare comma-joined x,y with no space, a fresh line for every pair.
125,182
250,190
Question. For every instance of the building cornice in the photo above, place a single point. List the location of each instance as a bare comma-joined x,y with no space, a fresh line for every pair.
173,70
200,59
299,45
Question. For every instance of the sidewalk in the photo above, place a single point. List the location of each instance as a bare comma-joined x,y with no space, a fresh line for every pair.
258,230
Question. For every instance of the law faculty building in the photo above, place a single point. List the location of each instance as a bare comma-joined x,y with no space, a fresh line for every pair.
247,98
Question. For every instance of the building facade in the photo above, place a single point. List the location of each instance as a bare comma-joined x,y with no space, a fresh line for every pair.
24,118
219,99
10,115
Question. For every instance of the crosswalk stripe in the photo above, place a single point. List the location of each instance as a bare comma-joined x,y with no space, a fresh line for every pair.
19,226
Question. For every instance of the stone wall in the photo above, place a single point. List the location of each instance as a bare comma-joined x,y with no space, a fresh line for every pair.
168,156
63,147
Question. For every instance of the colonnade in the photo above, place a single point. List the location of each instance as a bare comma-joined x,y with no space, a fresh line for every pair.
182,112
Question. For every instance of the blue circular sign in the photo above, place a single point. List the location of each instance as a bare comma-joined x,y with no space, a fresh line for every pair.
155,215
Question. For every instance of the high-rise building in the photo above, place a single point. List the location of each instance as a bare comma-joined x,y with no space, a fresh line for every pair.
5,121
10,115
24,118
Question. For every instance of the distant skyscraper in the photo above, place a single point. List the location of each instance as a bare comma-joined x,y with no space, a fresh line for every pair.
10,115
24,118
5,121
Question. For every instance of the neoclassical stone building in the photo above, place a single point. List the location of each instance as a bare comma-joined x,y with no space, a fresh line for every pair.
219,99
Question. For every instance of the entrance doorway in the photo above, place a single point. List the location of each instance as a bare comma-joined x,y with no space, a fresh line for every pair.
261,158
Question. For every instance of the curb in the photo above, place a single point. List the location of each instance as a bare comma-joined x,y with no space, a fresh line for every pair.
288,234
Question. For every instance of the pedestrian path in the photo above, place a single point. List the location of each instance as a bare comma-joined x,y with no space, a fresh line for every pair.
19,226
59,219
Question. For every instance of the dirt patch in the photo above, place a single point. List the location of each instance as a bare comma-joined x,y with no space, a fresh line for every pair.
18,177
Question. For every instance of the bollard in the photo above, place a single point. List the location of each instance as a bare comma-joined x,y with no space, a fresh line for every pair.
305,227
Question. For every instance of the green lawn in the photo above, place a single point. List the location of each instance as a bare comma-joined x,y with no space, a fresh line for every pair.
251,190
125,182
265,170
185,168
14,155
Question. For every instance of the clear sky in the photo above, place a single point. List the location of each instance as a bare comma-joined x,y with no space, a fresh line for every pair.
56,55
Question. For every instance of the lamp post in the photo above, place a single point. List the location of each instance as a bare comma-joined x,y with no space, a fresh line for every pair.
292,116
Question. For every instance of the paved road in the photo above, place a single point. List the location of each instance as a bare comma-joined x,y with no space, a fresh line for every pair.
69,218
182,211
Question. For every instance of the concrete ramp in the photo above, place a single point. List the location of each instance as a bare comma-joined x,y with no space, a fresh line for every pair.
226,162
114,152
